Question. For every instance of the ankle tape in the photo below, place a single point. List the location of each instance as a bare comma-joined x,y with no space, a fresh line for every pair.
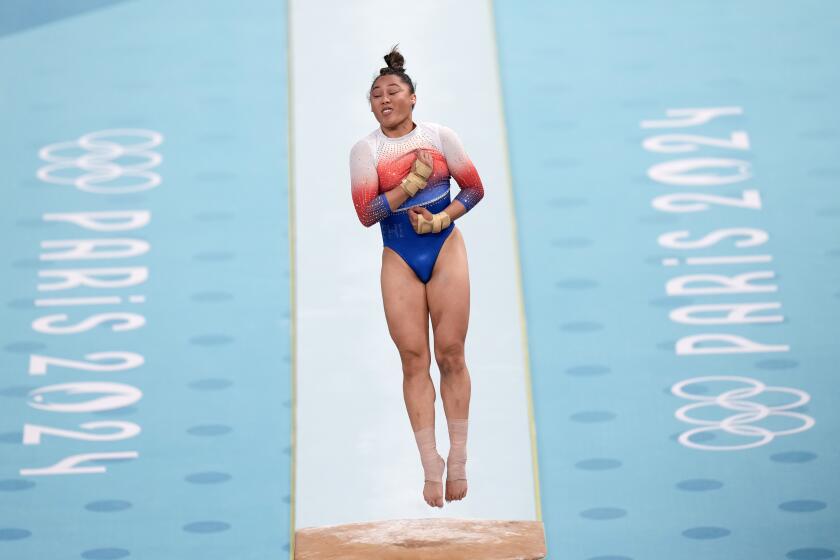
456,463
432,461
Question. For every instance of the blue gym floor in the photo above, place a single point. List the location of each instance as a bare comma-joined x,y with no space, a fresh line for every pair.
640,135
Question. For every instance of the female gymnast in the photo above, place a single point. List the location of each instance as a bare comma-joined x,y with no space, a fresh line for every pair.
400,178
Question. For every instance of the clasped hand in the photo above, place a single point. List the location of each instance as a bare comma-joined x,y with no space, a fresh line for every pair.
421,219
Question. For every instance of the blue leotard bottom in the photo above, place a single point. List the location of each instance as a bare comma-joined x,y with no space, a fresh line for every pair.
419,251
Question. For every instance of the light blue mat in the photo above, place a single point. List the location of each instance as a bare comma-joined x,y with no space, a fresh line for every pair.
578,80
208,475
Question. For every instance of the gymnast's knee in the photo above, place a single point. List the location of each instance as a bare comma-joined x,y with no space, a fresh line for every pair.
450,358
415,361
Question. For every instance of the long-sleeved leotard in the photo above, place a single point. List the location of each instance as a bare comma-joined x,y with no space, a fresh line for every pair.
379,163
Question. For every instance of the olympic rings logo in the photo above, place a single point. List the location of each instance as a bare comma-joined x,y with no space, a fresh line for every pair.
749,412
99,170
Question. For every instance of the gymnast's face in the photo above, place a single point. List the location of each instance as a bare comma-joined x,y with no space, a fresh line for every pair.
391,101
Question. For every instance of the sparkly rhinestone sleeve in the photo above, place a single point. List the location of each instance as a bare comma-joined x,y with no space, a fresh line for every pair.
461,169
364,186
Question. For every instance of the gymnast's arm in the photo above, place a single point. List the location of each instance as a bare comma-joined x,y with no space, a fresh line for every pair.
364,186
463,171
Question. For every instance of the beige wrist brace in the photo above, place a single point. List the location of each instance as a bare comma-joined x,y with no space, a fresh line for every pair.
439,222
417,178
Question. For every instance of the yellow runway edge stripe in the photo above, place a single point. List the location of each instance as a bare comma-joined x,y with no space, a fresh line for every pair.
531,422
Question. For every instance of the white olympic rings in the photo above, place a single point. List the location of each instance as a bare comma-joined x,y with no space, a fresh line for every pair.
749,412
99,165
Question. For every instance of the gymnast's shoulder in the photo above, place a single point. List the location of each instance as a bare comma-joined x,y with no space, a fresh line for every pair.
365,145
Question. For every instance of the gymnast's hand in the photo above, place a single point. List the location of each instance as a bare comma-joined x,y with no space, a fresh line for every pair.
413,214
425,157
424,221
421,170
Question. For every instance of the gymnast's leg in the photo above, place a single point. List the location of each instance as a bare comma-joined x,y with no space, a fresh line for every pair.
407,315
448,296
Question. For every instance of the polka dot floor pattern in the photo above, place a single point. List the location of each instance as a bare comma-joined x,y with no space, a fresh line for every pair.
674,171
647,449
178,95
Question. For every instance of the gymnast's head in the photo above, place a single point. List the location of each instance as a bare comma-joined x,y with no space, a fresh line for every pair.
391,94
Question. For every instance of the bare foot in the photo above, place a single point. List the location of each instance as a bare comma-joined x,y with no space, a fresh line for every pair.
433,491
456,489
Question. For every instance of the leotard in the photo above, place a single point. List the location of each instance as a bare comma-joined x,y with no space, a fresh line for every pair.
379,163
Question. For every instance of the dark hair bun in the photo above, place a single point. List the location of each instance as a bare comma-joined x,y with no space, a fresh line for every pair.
394,60
396,67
